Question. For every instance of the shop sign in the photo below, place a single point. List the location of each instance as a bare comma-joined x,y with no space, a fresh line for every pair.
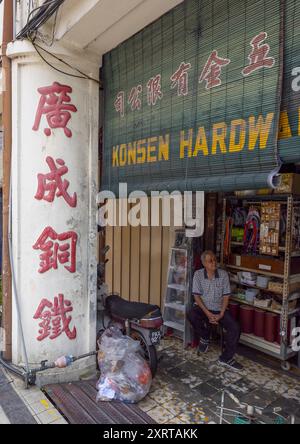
195,95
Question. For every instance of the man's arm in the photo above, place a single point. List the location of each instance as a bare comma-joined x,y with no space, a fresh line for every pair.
226,296
201,304
225,305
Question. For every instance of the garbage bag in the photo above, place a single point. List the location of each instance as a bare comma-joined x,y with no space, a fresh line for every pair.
125,375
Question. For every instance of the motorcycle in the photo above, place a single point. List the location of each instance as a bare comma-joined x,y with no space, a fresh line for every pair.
141,322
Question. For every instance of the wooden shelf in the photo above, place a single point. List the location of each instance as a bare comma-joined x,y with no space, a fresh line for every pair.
242,301
255,286
267,273
260,343
282,249
241,244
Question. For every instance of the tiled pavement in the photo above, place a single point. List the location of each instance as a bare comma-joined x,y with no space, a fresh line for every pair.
187,388
21,406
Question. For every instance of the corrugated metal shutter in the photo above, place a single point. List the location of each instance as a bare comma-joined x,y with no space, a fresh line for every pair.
212,133
289,142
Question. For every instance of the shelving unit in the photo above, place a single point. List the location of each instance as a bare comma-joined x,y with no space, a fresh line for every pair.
177,300
291,282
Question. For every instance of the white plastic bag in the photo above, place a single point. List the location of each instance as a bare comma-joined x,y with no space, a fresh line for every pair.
125,375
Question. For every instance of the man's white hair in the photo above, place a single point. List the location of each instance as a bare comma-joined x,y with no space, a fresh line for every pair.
206,253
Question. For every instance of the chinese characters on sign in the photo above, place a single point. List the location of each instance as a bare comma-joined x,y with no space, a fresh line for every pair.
55,104
56,248
51,184
180,79
154,90
212,70
54,319
211,74
258,57
134,101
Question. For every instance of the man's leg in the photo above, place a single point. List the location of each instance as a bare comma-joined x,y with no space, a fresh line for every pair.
200,324
232,336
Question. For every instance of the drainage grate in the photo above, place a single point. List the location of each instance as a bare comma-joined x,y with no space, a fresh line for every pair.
77,402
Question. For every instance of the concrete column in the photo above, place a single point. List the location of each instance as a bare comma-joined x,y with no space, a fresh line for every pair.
54,231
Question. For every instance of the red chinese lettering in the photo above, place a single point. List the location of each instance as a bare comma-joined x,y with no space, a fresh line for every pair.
57,248
54,319
134,101
120,103
55,104
51,184
181,80
154,90
212,70
258,57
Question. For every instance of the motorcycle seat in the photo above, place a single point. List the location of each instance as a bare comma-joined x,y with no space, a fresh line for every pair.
131,310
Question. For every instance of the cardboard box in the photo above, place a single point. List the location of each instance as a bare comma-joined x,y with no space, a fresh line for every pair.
289,184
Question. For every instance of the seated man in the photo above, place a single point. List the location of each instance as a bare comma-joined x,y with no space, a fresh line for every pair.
211,291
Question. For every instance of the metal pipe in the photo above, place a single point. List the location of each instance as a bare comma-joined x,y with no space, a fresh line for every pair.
7,142
14,283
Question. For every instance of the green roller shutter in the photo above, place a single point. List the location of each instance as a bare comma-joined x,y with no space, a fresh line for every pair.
213,124
289,134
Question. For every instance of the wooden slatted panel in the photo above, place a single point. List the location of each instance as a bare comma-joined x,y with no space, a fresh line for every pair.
117,257
145,262
165,255
155,264
109,268
125,257
138,261
135,263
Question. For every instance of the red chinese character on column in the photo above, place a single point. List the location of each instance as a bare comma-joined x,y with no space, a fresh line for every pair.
134,99
212,70
61,251
51,184
154,90
54,318
180,78
120,103
258,56
55,104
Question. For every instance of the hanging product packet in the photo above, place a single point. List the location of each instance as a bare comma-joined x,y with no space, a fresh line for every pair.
125,374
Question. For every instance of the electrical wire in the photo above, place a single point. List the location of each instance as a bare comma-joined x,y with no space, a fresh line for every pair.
43,13
30,31
82,76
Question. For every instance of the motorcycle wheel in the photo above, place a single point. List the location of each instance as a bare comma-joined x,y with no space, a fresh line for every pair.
149,351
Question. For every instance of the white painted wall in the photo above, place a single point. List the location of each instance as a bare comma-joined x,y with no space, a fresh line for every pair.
31,216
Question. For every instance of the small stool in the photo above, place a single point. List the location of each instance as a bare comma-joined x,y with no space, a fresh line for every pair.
217,331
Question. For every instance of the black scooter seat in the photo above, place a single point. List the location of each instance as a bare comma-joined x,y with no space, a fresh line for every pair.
131,310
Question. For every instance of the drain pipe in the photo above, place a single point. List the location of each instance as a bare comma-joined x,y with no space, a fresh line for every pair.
7,133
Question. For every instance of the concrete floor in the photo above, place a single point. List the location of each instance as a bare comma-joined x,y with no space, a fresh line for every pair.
188,388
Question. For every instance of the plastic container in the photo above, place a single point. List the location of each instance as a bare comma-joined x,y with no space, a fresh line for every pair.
250,294
234,308
262,281
270,327
259,323
246,319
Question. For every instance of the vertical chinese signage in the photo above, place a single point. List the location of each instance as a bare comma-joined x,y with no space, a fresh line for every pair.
55,249
193,100
54,188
